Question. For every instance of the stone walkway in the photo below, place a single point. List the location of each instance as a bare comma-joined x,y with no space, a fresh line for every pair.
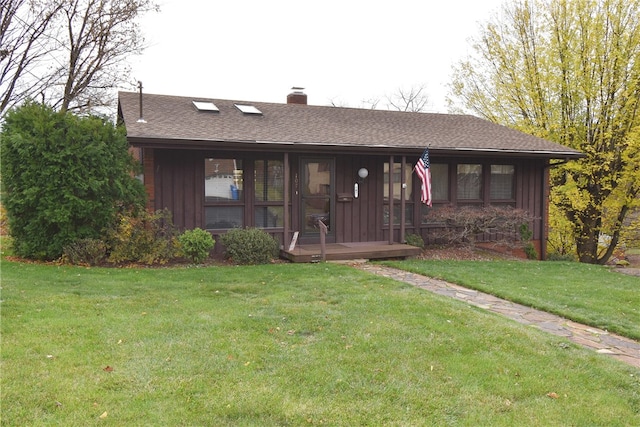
601,341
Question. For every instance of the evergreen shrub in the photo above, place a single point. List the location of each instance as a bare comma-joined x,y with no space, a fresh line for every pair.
196,244
249,246
64,178
415,240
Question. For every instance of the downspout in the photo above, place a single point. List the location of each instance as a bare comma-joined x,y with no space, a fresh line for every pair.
286,238
391,219
403,214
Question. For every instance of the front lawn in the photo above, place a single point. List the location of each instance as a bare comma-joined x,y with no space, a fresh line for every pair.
280,345
589,294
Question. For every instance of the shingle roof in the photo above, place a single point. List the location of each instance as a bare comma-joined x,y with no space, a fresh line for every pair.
172,118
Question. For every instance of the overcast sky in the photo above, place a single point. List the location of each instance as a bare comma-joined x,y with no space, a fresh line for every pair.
341,52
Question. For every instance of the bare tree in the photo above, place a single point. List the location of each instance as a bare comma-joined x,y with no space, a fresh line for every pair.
23,48
69,53
414,99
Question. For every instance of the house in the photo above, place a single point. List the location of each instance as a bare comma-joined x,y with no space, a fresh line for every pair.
218,164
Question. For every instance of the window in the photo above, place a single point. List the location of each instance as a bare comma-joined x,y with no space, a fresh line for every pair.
269,193
439,190
469,182
248,109
206,106
397,193
223,193
269,180
269,216
223,217
440,182
501,182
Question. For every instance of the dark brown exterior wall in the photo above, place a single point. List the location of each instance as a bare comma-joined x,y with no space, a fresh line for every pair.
175,180
359,220
179,180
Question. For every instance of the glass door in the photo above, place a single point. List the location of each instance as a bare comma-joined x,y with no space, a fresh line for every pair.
316,191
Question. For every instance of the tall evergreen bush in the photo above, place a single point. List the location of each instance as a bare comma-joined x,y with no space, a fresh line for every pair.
65,178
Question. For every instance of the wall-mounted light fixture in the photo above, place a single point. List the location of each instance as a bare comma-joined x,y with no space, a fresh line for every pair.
362,173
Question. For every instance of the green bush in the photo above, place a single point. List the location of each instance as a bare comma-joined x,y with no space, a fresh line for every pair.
196,244
85,252
525,235
143,237
415,240
249,246
530,251
65,178
557,256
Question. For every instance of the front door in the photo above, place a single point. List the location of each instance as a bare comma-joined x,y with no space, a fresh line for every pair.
316,198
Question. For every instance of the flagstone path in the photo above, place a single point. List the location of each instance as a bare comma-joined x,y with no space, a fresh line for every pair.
601,341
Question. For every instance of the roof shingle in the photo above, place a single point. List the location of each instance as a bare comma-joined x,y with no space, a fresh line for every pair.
176,118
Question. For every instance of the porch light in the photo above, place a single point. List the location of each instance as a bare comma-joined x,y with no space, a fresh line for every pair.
363,173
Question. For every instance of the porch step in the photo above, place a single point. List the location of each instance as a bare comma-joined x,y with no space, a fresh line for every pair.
350,251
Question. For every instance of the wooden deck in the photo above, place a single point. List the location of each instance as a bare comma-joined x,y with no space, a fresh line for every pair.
347,251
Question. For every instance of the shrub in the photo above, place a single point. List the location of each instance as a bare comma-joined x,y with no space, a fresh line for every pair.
525,235
144,237
530,251
85,252
65,178
249,246
196,244
457,225
557,256
415,240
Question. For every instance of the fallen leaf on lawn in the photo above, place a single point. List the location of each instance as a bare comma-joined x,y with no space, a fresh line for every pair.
108,369
104,415
552,395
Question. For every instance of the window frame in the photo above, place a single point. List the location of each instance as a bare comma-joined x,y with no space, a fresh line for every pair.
226,203
266,204
409,201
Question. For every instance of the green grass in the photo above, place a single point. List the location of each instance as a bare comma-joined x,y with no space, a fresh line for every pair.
283,345
590,294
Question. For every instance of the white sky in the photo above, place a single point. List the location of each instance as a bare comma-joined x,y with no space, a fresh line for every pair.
345,51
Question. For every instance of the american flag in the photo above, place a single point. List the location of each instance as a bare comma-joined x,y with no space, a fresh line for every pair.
422,169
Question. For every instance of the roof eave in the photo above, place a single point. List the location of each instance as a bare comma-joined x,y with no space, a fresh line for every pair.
246,145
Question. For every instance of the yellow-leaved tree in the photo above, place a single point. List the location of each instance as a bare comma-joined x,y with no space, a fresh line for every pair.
567,71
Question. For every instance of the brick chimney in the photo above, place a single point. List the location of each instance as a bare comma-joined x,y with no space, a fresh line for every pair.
297,96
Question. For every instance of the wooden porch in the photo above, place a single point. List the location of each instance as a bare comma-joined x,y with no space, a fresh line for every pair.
348,251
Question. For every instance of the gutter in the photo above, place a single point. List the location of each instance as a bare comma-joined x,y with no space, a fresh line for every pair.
160,142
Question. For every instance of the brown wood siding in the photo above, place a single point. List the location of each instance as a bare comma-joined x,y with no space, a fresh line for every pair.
528,189
356,219
179,179
529,195
148,167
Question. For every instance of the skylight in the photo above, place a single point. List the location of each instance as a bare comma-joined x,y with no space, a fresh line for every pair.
248,109
206,106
